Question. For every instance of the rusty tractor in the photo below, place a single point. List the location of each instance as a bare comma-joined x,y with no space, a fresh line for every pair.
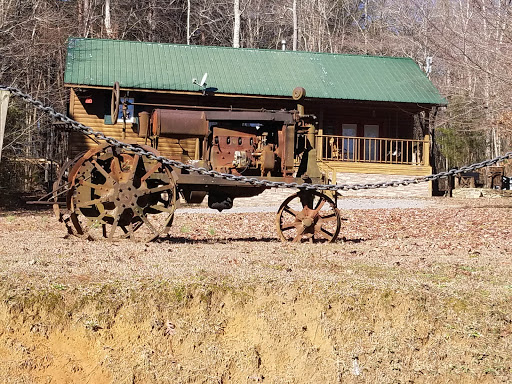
115,193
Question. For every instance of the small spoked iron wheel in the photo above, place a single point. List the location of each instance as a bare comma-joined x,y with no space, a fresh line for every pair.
308,216
114,193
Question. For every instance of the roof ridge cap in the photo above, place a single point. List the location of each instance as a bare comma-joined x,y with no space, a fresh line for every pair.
246,49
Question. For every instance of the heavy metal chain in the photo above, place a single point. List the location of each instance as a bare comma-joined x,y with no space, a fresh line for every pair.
78,127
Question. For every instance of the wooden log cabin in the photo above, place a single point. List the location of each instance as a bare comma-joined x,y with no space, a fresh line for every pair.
366,106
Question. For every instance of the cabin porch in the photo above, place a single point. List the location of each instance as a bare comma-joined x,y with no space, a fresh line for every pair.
375,155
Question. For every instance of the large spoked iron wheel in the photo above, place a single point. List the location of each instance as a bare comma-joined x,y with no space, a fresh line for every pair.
60,195
308,216
114,193
115,102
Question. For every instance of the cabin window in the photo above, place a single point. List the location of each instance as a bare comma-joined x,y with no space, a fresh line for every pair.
329,130
129,111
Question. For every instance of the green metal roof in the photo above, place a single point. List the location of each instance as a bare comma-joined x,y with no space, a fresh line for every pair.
140,65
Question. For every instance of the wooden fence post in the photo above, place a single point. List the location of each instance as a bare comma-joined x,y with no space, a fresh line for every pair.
4,102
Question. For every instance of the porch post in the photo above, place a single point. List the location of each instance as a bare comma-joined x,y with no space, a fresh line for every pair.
426,150
197,151
319,139
4,102
319,144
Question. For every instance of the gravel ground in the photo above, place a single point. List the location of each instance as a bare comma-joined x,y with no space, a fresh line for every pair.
343,203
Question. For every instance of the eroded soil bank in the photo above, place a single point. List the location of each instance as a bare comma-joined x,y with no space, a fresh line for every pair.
406,295
203,333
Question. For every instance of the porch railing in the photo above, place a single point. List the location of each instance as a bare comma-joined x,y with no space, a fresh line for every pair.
373,150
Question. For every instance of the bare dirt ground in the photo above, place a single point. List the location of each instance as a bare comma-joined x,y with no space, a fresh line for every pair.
408,295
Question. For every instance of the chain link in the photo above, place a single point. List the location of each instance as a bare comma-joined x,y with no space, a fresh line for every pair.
78,127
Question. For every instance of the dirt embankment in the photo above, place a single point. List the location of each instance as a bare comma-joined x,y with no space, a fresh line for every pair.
213,334
409,295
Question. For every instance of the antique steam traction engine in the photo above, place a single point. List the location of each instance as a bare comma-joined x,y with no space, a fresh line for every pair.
115,193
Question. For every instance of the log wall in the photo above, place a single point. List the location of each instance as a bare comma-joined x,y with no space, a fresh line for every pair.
93,115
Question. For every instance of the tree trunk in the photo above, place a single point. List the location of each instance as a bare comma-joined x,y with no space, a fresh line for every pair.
188,22
151,17
84,15
236,26
295,25
108,22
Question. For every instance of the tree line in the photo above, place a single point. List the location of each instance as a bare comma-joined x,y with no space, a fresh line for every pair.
462,45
